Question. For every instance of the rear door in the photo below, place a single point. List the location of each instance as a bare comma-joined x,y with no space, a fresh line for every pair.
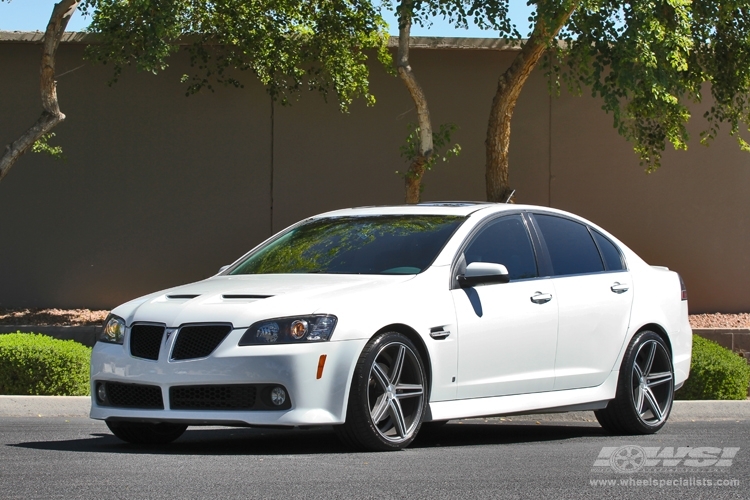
594,292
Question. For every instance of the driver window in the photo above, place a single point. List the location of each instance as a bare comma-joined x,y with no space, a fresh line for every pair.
505,241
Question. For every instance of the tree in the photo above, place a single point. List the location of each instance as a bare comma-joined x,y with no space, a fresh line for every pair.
287,44
423,133
51,114
646,60
423,146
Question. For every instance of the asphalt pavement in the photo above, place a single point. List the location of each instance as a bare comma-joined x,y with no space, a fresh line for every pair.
702,452
77,458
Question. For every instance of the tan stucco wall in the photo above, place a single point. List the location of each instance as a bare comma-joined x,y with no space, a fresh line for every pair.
160,189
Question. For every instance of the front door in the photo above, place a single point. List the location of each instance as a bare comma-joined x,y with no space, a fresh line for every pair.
506,331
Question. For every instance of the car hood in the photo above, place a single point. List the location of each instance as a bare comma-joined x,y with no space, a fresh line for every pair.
242,300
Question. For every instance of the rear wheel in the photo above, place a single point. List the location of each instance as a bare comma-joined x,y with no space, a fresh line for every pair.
388,395
145,433
645,388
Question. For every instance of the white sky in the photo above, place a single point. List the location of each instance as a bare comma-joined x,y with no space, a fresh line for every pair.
33,15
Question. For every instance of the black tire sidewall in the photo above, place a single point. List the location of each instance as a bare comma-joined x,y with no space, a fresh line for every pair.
146,433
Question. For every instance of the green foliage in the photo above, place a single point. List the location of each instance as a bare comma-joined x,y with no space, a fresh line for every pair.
490,15
288,45
440,141
34,364
715,373
647,60
42,146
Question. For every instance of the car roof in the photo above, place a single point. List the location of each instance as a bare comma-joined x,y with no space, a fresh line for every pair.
460,208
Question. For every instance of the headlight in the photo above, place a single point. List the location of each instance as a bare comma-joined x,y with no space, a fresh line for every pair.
113,331
292,330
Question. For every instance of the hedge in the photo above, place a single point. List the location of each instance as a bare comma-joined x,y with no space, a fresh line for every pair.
35,364
715,373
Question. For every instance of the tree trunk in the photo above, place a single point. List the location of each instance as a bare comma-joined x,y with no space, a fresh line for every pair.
509,87
413,178
51,115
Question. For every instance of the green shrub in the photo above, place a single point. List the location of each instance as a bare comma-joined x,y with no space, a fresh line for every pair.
34,364
715,373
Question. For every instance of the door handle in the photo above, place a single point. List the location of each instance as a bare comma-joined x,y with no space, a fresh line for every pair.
619,287
541,298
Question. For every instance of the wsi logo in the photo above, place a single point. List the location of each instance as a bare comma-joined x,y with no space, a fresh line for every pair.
629,458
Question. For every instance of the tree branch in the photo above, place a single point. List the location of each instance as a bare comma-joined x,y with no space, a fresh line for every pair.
51,115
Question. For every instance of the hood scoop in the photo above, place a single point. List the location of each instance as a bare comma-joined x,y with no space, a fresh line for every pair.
183,296
244,296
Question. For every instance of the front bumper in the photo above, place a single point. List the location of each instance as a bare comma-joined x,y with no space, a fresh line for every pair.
294,366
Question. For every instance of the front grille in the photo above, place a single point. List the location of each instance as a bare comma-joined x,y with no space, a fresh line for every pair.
212,397
133,396
145,341
199,341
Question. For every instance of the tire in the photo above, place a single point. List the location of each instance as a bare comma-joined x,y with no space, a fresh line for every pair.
388,396
645,388
144,433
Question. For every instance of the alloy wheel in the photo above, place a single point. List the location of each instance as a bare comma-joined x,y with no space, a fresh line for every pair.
395,392
652,383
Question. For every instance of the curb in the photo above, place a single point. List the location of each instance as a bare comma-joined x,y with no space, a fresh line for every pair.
85,335
45,406
682,411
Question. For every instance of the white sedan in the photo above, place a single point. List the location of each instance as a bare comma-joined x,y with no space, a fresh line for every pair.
377,320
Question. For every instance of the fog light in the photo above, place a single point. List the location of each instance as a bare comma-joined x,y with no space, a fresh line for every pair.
101,393
278,396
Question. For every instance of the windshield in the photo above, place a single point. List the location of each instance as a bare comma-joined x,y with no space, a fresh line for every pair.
383,244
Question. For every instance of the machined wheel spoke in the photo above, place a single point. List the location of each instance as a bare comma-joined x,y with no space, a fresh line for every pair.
655,379
637,373
408,390
398,365
651,400
397,414
638,400
380,376
381,409
650,358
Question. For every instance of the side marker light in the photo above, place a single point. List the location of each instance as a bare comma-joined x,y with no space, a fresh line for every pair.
321,365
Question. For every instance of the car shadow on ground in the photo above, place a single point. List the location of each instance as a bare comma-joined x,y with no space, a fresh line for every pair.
256,441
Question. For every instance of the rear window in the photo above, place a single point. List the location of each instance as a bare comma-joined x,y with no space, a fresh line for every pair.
384,244
570,246
612,256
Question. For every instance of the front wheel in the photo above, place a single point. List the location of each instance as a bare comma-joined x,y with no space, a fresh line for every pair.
645,388
145,433
388,395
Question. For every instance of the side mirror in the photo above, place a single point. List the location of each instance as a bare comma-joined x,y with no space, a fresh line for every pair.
478,273
222,269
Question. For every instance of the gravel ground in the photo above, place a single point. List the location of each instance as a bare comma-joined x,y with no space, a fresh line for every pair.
720,320
53,317
86,317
